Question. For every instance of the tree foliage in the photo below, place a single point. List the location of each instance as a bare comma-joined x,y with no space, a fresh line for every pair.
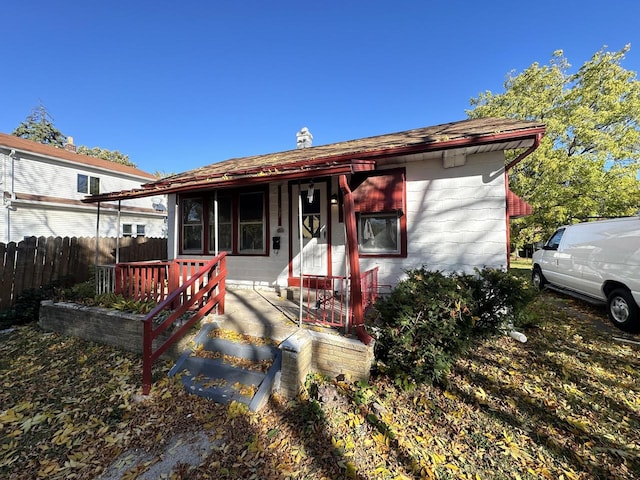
110,155
587,164
38,126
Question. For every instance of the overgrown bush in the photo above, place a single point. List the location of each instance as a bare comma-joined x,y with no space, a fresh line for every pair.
26,307
430,319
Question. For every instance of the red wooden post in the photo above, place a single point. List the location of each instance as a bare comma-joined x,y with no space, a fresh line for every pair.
354,261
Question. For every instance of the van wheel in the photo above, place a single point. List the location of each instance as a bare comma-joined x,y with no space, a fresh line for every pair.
623,311
537,278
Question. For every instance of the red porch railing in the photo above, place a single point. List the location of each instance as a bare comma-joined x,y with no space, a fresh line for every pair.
198,290
154,280
369,287
326,297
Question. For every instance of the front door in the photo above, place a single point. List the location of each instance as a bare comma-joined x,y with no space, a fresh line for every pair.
315,234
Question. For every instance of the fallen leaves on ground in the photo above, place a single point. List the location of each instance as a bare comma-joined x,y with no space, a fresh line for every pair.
566,404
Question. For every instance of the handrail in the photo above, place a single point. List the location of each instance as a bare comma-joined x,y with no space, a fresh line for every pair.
211,277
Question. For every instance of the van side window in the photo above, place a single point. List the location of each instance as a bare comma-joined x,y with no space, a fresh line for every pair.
554,241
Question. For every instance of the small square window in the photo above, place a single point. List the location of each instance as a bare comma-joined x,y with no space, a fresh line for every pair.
127,230
379,233
140,230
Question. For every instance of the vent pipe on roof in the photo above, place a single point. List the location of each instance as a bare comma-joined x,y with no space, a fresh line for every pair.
304,138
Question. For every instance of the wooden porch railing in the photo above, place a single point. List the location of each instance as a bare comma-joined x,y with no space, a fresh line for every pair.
200,291
147,281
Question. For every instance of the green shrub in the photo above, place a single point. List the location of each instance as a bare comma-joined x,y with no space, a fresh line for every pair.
430,319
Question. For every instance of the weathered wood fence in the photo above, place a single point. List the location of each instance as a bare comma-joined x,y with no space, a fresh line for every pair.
36,262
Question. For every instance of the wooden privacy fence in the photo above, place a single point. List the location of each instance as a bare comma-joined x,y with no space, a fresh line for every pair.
36,262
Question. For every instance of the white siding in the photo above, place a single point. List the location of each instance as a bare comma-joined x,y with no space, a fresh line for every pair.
54,216
456,219
37,220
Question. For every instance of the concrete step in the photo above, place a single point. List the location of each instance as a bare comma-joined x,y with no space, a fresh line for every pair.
223,382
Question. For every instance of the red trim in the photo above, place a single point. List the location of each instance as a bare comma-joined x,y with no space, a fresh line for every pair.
517,207
509,166
205,198
379,192
354,263
295,281
384,184
306,171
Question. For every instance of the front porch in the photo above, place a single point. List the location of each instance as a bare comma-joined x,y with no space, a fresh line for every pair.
309,325
303,349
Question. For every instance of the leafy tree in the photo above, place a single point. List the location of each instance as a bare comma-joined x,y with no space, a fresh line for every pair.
110,155
39,127
587,164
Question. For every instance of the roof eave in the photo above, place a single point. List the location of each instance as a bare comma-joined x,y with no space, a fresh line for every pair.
356,165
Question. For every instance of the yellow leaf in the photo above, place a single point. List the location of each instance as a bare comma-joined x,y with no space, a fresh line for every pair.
10,416
450,395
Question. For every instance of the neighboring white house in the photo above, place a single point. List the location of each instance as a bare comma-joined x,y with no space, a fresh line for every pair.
436,197
43,187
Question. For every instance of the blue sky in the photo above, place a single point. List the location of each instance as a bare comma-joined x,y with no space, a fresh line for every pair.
178,85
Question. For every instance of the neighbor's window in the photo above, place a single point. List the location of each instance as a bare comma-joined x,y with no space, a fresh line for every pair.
87,184
128,230
192,225
94,185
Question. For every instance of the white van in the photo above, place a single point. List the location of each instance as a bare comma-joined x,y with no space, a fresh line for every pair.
598,261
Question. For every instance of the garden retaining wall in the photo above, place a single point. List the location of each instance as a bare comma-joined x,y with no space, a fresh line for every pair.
303,352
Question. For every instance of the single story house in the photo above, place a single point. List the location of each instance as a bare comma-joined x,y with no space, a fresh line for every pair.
436,196
43,187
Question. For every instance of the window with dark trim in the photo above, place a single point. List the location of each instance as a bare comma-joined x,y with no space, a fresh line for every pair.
242,223
127,230
192,225
380,212
87,184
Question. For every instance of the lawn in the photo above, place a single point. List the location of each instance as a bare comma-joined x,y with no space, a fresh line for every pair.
565,404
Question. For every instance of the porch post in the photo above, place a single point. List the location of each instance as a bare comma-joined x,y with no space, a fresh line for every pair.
95,261
215,223
301,254
97,237
354,262
118,234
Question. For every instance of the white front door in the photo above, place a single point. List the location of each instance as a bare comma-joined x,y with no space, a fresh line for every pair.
315,235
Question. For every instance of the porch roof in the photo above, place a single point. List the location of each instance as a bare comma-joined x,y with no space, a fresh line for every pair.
343,157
